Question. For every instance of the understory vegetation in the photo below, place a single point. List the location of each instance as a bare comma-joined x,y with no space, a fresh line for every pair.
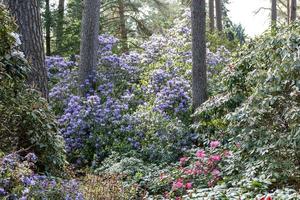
135,135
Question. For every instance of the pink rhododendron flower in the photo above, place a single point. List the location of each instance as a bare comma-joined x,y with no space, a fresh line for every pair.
266,198
183,160
197,172
214,144
178,184
215,157
188,171
227,153
215,172
188,186
200,154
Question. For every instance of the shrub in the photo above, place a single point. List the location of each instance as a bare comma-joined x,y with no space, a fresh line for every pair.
259,109
201,168
110,117
156,137
18,181
137,177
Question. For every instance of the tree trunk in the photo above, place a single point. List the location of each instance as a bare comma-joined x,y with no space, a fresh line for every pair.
288,7
123,30
47,27
199,87
60,25
212,15
219,15
293,10
28,18
89,43
274,13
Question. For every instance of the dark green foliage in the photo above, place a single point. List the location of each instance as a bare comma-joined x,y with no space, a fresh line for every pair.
6,27
259,107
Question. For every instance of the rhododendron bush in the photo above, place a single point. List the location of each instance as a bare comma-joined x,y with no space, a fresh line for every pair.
259,109
201,168
18,180
140,101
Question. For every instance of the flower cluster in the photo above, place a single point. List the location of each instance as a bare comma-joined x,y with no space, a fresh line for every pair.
58,67
18,181
174,97
202,168
114,73
88,124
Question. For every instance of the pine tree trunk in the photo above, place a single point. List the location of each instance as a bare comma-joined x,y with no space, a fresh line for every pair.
89,43
60,25
199,88
28,18
47,27
123,30
288,7
293,10
219,15
212,15
274,13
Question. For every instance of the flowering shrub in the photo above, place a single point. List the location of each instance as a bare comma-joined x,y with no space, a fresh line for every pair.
201,168
156,137
174,98
18,181
88,123
140,101
102,121
89,126
172,54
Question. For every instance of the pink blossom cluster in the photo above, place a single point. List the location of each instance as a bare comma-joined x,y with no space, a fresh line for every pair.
202,167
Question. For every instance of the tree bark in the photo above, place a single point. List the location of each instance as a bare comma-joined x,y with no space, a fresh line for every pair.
89,43
48,28
123,30
199,87
219,15
274,13
293,10
288,7
60,25
28,18
212,15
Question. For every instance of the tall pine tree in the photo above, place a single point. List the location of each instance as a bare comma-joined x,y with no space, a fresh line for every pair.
199,88
89,43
